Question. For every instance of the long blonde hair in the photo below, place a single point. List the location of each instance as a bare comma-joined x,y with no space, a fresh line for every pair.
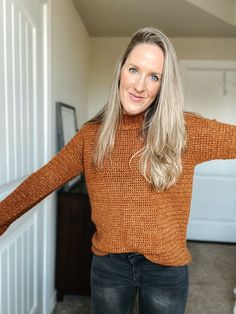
163,126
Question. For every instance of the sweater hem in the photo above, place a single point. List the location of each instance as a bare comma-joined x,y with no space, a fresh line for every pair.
154,258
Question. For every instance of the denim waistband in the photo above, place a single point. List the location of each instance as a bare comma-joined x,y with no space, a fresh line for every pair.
131,257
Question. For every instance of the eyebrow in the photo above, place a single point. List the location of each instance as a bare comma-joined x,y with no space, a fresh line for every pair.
153,73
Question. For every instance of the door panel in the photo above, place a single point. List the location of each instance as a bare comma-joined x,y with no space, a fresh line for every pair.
20,106
23,150
210,89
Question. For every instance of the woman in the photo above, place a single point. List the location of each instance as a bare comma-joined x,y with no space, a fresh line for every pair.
138,156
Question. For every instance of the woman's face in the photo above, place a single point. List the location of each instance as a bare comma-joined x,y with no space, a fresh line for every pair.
140,78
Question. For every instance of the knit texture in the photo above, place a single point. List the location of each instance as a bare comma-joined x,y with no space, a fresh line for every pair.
130,216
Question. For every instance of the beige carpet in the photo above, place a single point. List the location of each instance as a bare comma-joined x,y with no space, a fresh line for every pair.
212,279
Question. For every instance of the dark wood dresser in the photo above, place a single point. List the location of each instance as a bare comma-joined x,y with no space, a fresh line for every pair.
73,247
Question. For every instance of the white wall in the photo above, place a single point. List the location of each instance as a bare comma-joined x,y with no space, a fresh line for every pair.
106,51
205,48
104,56
70,60
70,63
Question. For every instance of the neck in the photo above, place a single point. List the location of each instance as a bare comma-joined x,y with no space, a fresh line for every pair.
132,121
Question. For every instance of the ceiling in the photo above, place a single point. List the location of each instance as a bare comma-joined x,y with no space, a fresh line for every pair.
177,18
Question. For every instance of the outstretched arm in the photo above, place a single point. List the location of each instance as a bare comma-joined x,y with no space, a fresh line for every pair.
209,139
67,164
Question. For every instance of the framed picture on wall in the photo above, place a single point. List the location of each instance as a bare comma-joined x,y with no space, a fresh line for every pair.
66,128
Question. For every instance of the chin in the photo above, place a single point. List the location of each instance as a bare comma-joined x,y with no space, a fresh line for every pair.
133,111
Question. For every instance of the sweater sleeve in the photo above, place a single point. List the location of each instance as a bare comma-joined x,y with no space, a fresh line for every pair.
209,139
67,164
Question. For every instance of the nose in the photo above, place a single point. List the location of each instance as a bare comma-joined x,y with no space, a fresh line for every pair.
140,84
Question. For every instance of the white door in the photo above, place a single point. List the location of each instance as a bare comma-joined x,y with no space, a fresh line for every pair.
210,89
23,125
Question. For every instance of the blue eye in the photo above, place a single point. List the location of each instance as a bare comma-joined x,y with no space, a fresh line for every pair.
132,70
155,78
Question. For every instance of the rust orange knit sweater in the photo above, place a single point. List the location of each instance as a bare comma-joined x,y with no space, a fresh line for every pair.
129,215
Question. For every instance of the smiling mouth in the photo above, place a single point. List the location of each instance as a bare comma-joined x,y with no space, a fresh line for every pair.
135,97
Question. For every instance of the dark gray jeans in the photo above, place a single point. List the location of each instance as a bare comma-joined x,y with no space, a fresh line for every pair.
116,280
